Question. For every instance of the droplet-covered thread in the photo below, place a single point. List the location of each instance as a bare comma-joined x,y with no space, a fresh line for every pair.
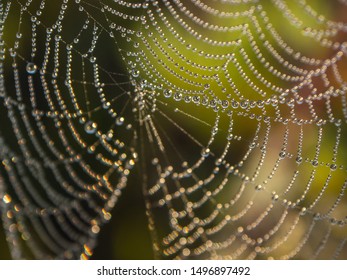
234,112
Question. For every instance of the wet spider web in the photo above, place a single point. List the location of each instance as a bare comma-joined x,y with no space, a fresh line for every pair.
234,112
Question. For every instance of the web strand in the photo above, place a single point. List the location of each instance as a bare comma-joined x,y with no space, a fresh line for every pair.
233,113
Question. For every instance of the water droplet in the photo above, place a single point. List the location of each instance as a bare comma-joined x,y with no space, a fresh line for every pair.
303,211
213,103
282,155
267,119
120,121
260,104
320,122
31,68
196,99
252,145
90,127
92,59
177,96
91,150
135,73
333,166
109,135
316,216
167,93
187,98
275,197
205,152
298,159
12,52
244,104
225,104
234,104
204,101
338,122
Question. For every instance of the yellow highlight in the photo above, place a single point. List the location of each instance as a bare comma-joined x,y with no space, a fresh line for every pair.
7,199
88,251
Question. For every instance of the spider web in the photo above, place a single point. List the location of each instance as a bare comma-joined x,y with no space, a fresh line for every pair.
234,112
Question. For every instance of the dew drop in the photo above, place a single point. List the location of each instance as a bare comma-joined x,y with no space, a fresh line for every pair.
135,73
12,52
234,104
167,93
155,161
177,96
316,216
282,155
31,68
187,98
196,99
303,211
244,104
225,104
91,150
92,59
260,104
120,121
298,159
275,197
338,122
205,152
333,167
252,145
90,127
267,119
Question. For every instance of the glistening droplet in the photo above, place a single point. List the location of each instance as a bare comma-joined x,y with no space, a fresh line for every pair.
90,127
31,68
167,93
135,73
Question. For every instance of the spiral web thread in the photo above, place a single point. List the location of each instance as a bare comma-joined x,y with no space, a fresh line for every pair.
234,111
